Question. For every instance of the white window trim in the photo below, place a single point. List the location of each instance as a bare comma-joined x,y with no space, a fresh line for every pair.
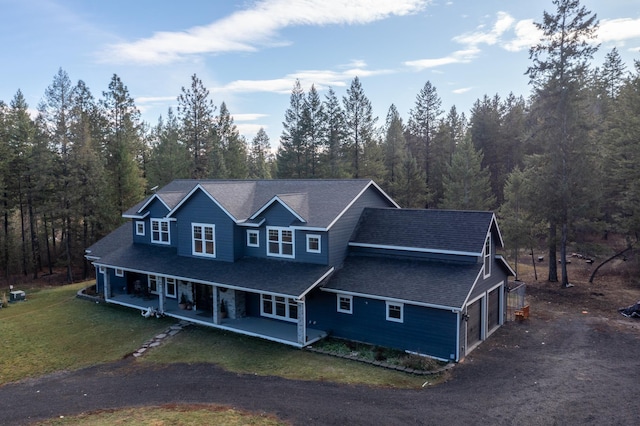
288,302
160,232
193,240
139,225
280,229
102,269
314,236
175,288
486,252
158,282
119,272
251,232
400,305
345,297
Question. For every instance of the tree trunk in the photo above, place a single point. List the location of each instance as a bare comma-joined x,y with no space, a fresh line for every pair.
46,233
593,274
563,256
35,246
553,265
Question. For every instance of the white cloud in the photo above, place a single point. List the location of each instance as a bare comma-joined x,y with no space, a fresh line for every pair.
321,79
503,23
460,56
526,35
249,29
618,30
462,90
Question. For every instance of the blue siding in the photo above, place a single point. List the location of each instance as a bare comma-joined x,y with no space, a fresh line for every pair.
156,210
425,330
278,215
340,233
201,209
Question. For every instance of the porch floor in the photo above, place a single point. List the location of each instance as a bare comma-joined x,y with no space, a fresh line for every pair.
266,328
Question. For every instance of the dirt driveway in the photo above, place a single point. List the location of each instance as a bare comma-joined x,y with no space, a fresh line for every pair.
575,361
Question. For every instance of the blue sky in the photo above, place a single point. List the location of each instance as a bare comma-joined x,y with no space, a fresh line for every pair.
249,53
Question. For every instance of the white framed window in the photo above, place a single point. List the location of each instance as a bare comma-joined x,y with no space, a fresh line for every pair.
119,272
253,238
160,231
279,307
345,303
280,242
102,269
395,312
170,288
314,243
203,240
487,257
154,282
140,227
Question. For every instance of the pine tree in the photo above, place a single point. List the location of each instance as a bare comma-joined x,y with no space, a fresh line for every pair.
423,123
122,145
234,146
291,153
560,65
486,134
195,111
360,128
449,134
312,115
169,156
332,158
466,184
258,156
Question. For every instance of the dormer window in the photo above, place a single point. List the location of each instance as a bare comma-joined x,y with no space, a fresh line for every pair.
487,257
140,227
280,242
160,231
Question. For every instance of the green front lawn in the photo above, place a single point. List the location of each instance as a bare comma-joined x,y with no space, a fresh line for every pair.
53,330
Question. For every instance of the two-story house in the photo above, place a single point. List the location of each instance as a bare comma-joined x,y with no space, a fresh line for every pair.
295,260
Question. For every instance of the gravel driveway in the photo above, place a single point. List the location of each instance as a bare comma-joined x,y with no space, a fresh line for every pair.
556,368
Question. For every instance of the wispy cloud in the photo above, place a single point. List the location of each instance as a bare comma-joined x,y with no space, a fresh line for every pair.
255,27
322,79
462,90
471,42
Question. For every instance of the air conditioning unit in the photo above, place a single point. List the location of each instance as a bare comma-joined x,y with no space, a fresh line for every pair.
17,295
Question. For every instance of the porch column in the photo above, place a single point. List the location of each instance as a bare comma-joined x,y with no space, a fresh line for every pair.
302,323
217,318
160,284
107,285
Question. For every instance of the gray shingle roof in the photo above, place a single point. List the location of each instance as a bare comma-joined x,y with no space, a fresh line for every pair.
433,283
438,230
318,201
267,275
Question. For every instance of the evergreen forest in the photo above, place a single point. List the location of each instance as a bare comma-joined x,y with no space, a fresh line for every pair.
556,164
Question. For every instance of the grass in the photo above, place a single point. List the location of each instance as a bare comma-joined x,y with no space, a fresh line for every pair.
243,354
183,415
54,331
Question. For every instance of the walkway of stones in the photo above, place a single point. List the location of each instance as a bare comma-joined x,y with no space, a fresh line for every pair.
160,338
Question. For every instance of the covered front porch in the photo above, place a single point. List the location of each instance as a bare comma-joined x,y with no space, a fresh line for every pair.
269,329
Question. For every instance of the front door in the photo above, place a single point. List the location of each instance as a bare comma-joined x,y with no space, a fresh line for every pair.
204,297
